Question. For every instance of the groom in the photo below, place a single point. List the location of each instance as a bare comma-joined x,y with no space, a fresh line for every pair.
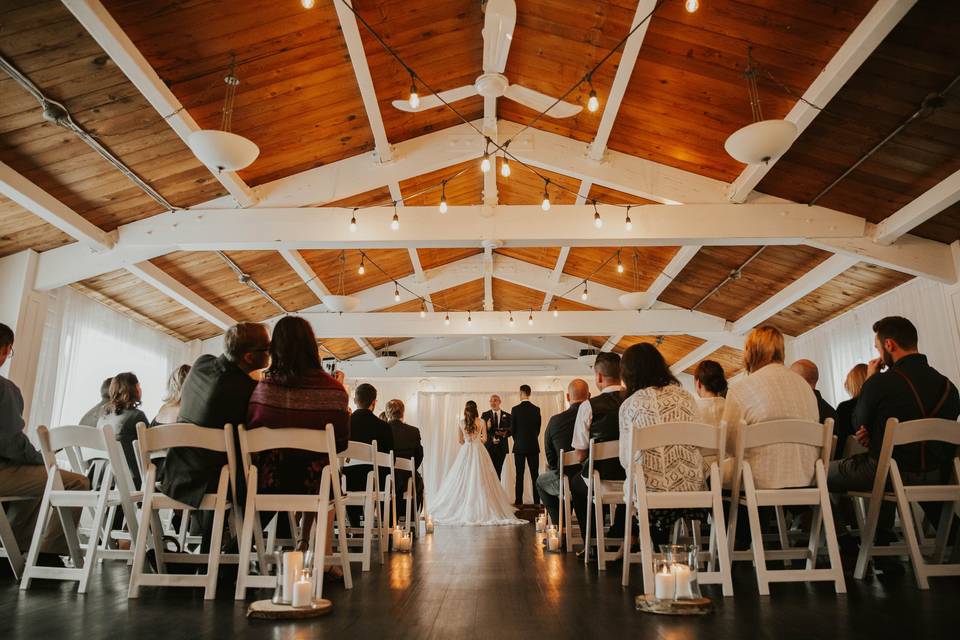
526,421
498,430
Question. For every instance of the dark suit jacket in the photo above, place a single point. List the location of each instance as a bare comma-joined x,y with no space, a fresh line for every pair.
559,436
526,421
367,427
216,392
407,444
504,425
826,411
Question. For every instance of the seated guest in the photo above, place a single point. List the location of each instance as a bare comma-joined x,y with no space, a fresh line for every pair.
598,418
900,384
843,428
559,437
710,382
216,392
406,444
807,370
92,415
122,413
366,427
23,473
170,409
654,396
296,392
770,391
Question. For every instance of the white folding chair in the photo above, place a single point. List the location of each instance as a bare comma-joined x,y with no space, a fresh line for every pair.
565,526
160,438
409,495
56,498
802,432
388,499
602,493
359,453
710,440
906,496
264,439
9,548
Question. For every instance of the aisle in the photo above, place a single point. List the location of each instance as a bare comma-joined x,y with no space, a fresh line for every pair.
483,582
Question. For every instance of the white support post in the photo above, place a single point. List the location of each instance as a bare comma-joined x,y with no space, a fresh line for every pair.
108,34
945,194
28,195
420,276
24,311
170,286
557,272
488,276
861,42
486,348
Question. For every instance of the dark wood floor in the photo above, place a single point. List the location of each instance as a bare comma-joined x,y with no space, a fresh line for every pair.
485,582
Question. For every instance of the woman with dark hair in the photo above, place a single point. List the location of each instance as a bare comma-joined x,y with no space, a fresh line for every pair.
122,412
654,396
296,392
170,410
711,385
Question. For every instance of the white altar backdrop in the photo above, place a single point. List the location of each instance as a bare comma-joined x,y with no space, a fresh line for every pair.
439,413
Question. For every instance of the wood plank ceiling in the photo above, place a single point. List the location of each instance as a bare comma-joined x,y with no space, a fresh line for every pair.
299,100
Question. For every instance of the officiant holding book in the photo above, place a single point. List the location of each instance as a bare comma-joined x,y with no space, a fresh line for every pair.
498,430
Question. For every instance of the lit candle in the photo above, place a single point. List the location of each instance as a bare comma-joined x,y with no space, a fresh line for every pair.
684,584
406,541
665,584
292,566
541,523
553,541
429,524
397,533
302,591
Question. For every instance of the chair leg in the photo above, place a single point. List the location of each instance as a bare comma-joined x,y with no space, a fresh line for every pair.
320,537
43,518
9,543
718,536
782,533
586,540
867,534
909,531
250,516
943,531
213,559
813,546
368,518
601,534
830,532
646,548
627,544
756,533
96,529
140,547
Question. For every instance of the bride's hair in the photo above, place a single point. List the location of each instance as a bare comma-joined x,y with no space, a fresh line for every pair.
470,415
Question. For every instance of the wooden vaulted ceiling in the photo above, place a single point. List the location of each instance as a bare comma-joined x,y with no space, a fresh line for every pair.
300,102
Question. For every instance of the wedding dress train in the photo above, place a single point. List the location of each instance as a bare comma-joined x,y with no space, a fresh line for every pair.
471,493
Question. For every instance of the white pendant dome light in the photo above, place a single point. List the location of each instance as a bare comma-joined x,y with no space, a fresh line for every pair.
636,299
339,302
387,359
762,140
220,149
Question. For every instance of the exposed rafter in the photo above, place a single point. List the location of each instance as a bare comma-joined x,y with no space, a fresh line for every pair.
366,346
871,31
695,356
557,272
305,271
611,343
108,34
420,275
930,203
671,271
168,285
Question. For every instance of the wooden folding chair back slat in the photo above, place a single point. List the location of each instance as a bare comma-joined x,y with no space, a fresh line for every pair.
710,441
906,496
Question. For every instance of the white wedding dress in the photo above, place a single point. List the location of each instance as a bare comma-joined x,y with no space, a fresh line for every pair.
471,493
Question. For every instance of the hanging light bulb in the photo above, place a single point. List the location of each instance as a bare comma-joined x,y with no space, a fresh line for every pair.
556,312
396,292
585,294
505,167
446,319
691,5
353,222
619,264
628,223
469,318
511,318
597,220
443,197
545,205
414,98
395,223
423,310
485,163
307,4
362,270
530,319
593,102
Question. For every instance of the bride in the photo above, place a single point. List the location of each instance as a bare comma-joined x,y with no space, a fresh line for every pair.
471,492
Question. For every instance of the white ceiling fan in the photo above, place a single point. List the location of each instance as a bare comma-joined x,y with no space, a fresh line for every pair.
500,18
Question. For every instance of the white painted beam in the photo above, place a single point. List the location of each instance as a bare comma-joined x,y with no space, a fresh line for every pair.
541,279
486,348
28,195
366,346
554,345
670,272
861,42
621,79
170,286
568,323
611,343
488,276
811,280
557,272
417,347
365,369
303,269
108,34
910,254
439,278
945,194
420,275
695,356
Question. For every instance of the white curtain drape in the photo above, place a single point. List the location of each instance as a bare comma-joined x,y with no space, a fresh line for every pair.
85,342
438,415
838,345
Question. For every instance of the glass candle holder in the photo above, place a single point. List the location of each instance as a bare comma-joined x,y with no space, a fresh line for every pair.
541,522
405,544
428,525
303,590
682,561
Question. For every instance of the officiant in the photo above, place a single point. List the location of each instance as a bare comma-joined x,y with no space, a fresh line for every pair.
498,430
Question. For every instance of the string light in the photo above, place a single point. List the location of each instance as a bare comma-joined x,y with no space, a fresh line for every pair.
362,270
307,4
530,319
414,98
585,294
423,309
443,197
511,318
593,102
395,223
505,167
628,223
690,5
597,220
353,221
619,264
545,205
446,319
396,292
556,312
469,318
485,163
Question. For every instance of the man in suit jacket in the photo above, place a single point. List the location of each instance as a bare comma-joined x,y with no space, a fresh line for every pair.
525,420
498,430
558,437
366,427
406,444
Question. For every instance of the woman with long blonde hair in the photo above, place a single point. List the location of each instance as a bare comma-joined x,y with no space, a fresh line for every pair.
844,427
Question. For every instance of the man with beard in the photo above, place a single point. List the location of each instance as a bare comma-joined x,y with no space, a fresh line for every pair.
900,384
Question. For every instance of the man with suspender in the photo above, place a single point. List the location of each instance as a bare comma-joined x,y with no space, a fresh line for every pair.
900,384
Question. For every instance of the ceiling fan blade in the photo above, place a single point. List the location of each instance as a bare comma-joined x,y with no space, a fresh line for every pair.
498,22
432,101
540,101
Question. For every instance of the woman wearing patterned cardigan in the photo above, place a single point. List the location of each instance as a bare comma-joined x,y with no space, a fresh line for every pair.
295,391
